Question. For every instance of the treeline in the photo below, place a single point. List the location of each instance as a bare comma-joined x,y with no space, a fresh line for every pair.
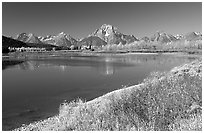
142,45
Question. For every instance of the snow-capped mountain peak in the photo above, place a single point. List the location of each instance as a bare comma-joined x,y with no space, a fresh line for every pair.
28,38
111,35
62,33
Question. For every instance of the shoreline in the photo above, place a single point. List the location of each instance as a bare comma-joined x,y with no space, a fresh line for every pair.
55,54
55,119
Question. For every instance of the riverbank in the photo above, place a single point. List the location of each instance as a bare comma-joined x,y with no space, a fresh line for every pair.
164,101
68,53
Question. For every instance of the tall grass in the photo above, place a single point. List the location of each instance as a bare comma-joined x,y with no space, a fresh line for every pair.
165,101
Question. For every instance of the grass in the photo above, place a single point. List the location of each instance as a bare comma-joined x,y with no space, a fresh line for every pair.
168,101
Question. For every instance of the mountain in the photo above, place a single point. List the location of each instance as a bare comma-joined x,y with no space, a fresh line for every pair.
146,39
192,36
178,37
71,39
92,40
111,35
33,39
129,38
61,39
106,34
22,37
28,38
47,40
9,42
163,37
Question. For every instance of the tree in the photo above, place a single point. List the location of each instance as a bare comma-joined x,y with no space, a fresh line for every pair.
72,47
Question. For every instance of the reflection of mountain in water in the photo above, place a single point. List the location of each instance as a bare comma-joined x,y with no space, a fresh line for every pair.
106,65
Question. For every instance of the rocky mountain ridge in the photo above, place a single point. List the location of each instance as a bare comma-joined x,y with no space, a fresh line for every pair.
106,34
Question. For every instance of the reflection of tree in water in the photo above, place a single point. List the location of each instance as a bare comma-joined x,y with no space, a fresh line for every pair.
9,63
62,67
172,59
32,65
106,65
106,68
157,59
29,65
109,70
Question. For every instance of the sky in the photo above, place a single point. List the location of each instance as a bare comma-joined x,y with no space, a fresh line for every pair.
81,19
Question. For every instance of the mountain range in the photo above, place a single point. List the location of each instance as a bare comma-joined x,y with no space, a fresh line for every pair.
10,42
106,34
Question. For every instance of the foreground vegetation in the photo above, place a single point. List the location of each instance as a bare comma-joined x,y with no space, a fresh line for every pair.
163,102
